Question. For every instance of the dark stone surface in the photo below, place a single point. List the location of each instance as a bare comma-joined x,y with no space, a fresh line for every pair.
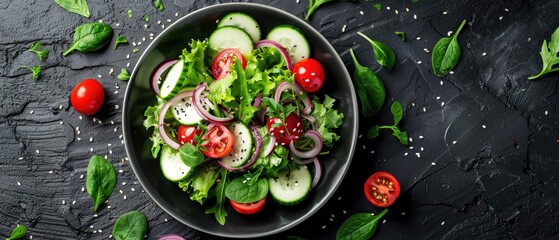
485,154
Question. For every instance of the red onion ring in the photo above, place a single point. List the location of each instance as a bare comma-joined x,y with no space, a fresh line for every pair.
255,154
311,119
156,75
160,122
302,161
270,147
197,101
171,237
315,136
257,100
285,86
262,115
284,53
317,172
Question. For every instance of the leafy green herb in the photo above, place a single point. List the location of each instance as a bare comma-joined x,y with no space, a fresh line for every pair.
446,53
18,232
402,35
383,54
90,37
120,40
190,155
131,226
130,13
369,88
36,70
159,5
415,1
397,111
123,75
360,226
549,55
101,180
377,6
75,6
240,191
246,110
146,18
327,119
313,5
135,50
41,54
219,209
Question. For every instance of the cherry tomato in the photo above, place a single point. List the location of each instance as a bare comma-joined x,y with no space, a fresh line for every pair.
289,130
223,60
248,208
381,189
309,73
219,141
88,96
186,134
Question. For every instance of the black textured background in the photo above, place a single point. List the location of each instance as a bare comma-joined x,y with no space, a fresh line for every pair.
482,164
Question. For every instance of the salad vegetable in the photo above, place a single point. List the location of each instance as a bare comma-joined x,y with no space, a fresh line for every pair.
233,124
18,232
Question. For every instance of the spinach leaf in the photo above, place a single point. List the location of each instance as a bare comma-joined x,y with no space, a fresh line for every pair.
131,226
101,180
383,54
397,111
402,35
219,209
130,13
313,5
18,232
135,50
240,191
159,5
90,37
190,155
123,75
549,55
120,40
75,6
446,53
36,70
360,226
373,132
146,18
41,54
377,6
415,1
369,88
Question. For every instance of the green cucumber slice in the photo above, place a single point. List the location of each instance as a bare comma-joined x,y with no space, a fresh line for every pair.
291,187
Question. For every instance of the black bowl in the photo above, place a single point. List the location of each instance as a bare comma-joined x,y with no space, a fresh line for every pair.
274,218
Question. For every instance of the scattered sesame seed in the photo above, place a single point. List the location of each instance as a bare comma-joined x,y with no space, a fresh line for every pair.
74,203
424,109
81,176
146,25
133,189
111,71
91,139
91,149
127,65
418,38
123,183
124,197
384,221
117,106
372,151
176,14
454,142
483,126
99,76
418,155
80,117
426,50
420,136
445,13
411,139
139,43
50,171
158,22
442,104
91,226
63,202
339,198
438,97
109,207
546,112
387,8
411,147
405,154
100,231
396,11
144,39
451,72
100,20
79,139
134,44
501,18
166,220
324,227
442,223
419,62
151,35
414,16
163,26
18,183
127,56
483,54
94,231
412,104
117,24
403,213
449,33
361,12
344,212
422,149
506,9
331,219
83,189
433,163
37,151
442,83
343,28
169,20
31,112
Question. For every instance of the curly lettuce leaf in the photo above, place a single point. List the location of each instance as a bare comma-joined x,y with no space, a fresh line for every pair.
327,119
274,163
151,114
195,63
201,183
265,69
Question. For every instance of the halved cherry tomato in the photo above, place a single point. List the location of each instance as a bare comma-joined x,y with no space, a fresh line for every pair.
381,189
87,97
309,73
223,60
185,134
248,208
289,130
218,140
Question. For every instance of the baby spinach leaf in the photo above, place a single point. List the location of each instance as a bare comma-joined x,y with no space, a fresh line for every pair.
446,53
313,5
377,6
396,110
401,136
36,70
359,226
41,54
120,40
75,6
18,232
101,180
383,54
219,209
159,5
130,13
402,35
123,75
135,50
240,191
549,55
373,132
131,226
146,18
190,155
369,88
90,37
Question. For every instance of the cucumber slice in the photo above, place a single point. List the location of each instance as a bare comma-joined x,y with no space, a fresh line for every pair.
231,37
292,39
242,21
174,80
291,187
172,166
185,113
242,148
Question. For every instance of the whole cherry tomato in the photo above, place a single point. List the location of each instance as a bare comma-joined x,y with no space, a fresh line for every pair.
309,73
88,96
287,130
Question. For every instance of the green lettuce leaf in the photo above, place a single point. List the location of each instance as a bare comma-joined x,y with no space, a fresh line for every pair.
327,119
151,114
201,183
194,60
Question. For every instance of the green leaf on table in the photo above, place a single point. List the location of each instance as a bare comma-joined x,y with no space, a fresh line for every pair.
18,232
401,136
123,75
415,1
549,56
240,191
159,5
313,5
359,226
369,88
130,13
101,180
446,53
36,70
396,110
383,53
131,226
377,6
41,54
402,35
135,50
90,37
120,40
75,6
373,132
190,155
146,18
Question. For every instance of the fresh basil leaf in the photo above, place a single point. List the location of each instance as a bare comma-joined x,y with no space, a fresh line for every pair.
383,53
446,53
101,180
239,191
146,18
123,75
360,226
36,70
252,178
131,226
190,155
75,6
313,5
130,13
159,5
219,209
402,35
401,136
90,37
377,6
18,232
120,40
549,56
396,110
373,132
369,88
135,50
41,54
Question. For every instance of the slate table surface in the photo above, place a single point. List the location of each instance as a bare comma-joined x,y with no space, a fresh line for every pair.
483,162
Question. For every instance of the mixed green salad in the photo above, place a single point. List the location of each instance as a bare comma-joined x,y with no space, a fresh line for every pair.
235,120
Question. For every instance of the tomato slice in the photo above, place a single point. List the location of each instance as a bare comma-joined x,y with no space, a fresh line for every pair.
218,141
309,73
223,61
248,208
382,189
185,134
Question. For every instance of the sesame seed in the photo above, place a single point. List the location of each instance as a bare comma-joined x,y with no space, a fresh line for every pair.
134,44
445,13
81,176
79,139
384,221
422,149
442,83
419,62
442,104
163,26
411,147
438,97
117,24
83,189
91,139
109,207
18,183
414,16
396,11
100,231
405,154
120,191
166,220
99,76
424,109
176,14
117,107
411,139
387,8
483,54
91,226
426,50
133,189
546,112
127,56
50,171
127,65
74,202
403,213
111,71
361,12
61,122
442,223
37,151
91,149
454,142
483,126
449,33
324,227
124,197
63,202
501,18
418,38
418,155
146,25
421,137
451,72
123,183
31,112
343,28
433,163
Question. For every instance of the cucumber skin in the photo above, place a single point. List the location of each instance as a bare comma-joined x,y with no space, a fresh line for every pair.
250,149
224,22
166,150
279,200
296,29
180,82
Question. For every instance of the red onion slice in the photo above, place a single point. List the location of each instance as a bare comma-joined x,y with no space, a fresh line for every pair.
171,237
157,74
255,154
257,100
317,172
197,101
270,147
161,124
284,53
302,161
310,118
285,86
315,136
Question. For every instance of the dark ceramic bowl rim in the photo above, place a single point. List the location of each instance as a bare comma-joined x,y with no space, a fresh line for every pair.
158,198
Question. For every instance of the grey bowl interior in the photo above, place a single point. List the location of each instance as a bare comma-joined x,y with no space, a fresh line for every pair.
274,218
